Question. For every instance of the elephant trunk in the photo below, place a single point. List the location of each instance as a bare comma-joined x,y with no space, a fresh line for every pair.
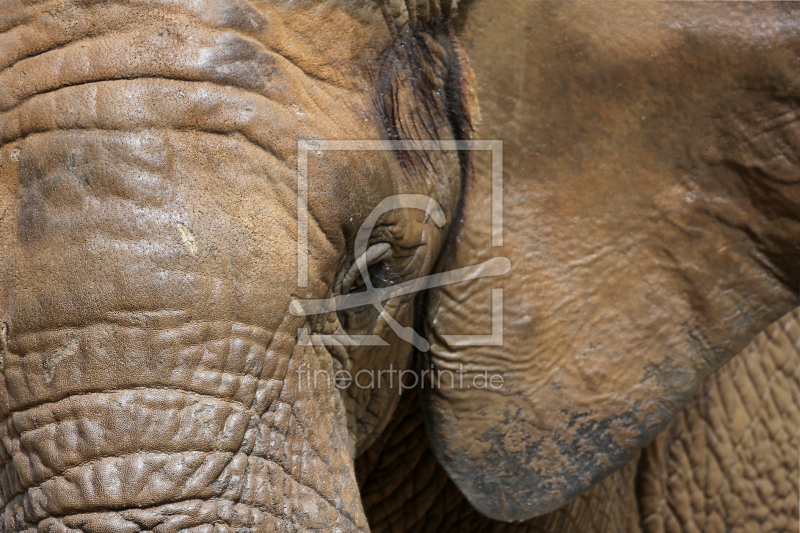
151,374
210,430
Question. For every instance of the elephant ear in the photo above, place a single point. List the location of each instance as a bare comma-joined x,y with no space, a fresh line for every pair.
622,294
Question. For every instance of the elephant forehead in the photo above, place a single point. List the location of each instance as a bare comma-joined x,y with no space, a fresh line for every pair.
257,52
308,34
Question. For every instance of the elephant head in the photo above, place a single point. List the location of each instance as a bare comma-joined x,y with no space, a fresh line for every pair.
200,202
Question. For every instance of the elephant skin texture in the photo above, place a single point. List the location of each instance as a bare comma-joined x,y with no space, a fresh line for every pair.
728,462
152,369
188,265
652,214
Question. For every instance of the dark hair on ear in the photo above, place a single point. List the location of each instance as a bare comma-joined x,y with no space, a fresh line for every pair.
419,92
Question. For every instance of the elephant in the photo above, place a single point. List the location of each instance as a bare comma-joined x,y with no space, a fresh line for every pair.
212,211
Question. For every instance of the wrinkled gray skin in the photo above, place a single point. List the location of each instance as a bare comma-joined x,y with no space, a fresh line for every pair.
152,354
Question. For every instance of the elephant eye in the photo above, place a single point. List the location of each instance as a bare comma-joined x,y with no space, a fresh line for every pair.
379,274
358,285
362,320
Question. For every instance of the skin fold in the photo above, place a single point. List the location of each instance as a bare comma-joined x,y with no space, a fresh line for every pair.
155,352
